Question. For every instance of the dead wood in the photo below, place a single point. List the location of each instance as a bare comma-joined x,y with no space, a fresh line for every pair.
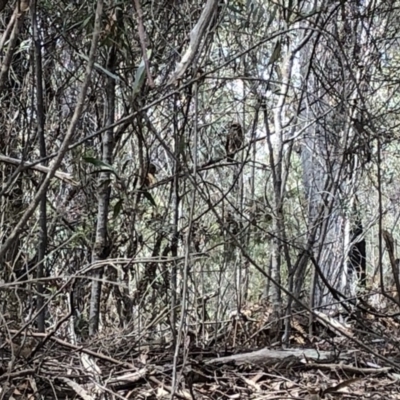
271,357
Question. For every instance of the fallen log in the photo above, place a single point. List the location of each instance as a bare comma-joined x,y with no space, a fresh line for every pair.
270,357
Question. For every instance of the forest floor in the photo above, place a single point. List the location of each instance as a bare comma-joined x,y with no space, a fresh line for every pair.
357,359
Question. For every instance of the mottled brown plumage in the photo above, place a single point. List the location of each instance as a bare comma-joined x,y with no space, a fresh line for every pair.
234,140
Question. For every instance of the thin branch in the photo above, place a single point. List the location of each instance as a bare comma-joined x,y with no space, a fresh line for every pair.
17,18
40,168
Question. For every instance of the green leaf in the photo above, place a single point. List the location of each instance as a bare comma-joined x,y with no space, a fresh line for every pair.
290,10
98,66
276,53
105,167
150,198
272,17
117,208
140,75
95,161
87,20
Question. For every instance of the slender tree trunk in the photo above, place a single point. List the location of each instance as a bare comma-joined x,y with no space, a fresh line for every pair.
42,145
102,246
175,205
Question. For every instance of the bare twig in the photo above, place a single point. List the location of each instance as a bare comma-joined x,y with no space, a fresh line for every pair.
17,18
40,168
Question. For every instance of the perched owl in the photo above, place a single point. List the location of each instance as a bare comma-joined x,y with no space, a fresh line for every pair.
234,140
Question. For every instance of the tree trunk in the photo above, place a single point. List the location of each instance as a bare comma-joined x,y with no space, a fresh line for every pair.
102,246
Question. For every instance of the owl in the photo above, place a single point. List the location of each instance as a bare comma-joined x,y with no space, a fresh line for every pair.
234,140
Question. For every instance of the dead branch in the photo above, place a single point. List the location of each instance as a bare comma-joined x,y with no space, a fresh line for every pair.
269,357
196,36
40,168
